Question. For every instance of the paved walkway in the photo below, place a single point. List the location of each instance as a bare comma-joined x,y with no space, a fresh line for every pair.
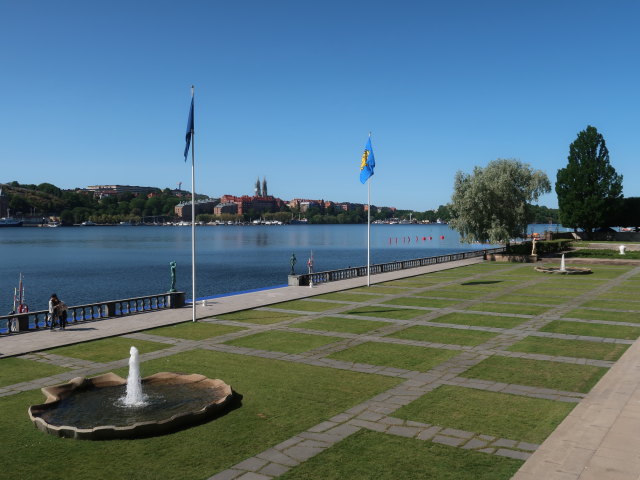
17,344
596,441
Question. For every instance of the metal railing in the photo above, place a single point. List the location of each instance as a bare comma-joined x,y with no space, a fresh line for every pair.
353,272
22,322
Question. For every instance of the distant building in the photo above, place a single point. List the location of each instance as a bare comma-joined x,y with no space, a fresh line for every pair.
183,210
111,190
228,207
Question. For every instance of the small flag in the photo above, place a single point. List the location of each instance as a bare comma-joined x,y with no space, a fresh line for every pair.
368,162
189,131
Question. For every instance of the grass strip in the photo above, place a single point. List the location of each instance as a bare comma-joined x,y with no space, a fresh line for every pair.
194,330
421,302
490,413
453,336
348,296
592,329
630,317
287,342
480,320
570,348
387,312
343,325
258,317
369,455
107,349
398,356
451,292
18,370
306,306
614,305
540,299
521,309
537,373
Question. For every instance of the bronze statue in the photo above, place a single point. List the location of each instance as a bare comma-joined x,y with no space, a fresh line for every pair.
293,263
172,265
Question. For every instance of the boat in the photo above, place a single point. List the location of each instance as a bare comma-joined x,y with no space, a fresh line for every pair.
10,222
88,223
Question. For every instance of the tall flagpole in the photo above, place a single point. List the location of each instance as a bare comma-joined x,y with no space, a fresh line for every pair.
369,231
369,227
193,217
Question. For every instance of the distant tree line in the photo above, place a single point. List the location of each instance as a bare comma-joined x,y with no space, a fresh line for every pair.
76,206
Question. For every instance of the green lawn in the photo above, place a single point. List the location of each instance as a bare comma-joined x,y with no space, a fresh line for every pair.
538,299
631,317
107,349
451,292
614,305
537,373
369,455
521,309
379,289
343,325
421,302
592,329
288,342
194,330
570,348
490,413
258,317
349,296
280,399
399,356
18,370
480,320
306,306
387,312
453,336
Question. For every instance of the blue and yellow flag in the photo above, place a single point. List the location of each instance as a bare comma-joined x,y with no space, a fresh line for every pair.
189,131
368,162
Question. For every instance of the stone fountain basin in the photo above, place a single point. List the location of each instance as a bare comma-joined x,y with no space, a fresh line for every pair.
218,396
566,271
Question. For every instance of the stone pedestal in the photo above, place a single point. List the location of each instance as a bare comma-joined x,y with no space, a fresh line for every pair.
176,299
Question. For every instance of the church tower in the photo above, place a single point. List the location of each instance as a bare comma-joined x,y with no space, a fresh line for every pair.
257,191
264,187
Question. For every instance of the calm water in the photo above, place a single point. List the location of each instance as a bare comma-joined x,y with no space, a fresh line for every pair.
91,264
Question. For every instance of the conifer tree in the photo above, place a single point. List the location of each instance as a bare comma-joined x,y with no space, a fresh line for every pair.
589,189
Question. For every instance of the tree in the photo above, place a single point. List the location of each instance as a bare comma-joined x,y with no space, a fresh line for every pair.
491,205
589,189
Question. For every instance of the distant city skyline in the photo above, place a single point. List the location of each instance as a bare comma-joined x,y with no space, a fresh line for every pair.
99,93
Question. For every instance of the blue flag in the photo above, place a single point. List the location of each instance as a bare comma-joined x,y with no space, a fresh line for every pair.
189,131
368,162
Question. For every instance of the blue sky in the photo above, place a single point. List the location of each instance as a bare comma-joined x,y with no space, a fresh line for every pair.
98,92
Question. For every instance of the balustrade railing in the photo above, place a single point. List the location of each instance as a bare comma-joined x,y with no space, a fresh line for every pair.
353,272
22,322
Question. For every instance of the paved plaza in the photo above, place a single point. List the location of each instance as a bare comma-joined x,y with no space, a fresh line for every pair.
476,302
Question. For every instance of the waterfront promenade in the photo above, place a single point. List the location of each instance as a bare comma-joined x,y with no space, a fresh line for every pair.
597,440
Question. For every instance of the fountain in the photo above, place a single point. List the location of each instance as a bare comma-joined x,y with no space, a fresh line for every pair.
108,406
134,396
564,270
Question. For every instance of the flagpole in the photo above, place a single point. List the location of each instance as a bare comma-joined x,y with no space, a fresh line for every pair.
193,218
369,232
369,227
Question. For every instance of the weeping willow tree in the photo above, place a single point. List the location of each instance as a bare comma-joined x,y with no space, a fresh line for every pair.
491,205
